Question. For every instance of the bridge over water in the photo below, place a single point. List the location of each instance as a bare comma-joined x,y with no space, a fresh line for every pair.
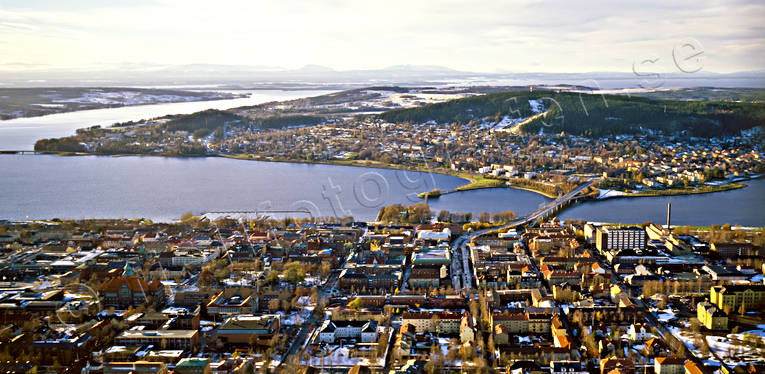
18,152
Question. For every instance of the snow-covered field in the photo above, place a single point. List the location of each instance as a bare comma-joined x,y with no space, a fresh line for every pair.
342,356
537,106
609,193
131,98
739,348
297,318
732,349
31,102
688,338
506,122
665,315
412,98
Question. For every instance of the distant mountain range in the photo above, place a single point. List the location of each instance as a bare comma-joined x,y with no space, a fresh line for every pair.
316,76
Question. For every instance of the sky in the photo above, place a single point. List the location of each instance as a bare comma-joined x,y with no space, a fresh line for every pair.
479,35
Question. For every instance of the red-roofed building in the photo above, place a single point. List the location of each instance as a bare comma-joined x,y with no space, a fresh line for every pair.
125,291
669,365
622,365
439,322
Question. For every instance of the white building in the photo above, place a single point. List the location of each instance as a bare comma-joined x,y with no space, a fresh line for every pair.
445,234
331,331
638,333
193,257
618,238
566,367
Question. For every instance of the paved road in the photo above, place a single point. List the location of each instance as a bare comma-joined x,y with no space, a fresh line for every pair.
325,293
666,334
551,206
462,277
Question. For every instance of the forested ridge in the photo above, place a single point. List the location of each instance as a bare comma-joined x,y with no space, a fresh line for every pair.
211,119
594,115
198,125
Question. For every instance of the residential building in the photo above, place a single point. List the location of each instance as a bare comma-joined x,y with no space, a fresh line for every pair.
331,331
193,365
638,332
711,316
438,322
618,238
129,290
231,301
731,297
692,368
246,328
467,329
731,250
138,367
624,365
164,339
725,273
669,365
567,367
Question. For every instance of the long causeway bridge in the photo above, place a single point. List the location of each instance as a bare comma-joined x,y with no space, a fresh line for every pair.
18,152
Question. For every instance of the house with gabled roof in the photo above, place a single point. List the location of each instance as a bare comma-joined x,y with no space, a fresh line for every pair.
365,331
128,290
669,365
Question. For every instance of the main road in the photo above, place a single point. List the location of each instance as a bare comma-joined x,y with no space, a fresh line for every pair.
462,277
325,293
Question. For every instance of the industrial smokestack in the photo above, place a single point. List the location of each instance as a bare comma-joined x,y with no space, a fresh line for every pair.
669,213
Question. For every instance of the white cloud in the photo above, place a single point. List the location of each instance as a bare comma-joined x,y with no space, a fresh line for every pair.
488,35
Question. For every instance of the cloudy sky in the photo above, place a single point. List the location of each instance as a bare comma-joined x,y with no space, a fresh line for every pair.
478,35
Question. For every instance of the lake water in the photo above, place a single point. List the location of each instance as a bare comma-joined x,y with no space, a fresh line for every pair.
745,206
22,133
489,200
45,186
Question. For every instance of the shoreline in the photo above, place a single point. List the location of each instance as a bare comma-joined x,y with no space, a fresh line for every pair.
473,181
116,106
469,188
680,192
468,178
350,163
533,190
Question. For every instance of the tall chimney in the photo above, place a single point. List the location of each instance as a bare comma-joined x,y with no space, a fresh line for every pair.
669,213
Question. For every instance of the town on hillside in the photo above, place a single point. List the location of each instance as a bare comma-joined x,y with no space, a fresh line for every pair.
632,147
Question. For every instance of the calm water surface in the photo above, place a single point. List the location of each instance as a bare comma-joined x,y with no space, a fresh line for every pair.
46,186
489,200
745,206
22,133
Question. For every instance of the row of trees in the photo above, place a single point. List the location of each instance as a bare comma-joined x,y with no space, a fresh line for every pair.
545,188
68,144
485,217
412,214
